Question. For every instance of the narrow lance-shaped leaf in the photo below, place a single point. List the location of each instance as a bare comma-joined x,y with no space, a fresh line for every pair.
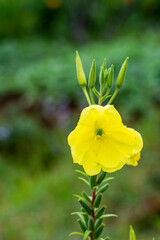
80,214
91,224
87,198
101,177
85,206
92,181
132,235
86,234
83,173
97,201
103,188
100,212
99,231
108,215
82,225
98,223
84,180
77,196
76,233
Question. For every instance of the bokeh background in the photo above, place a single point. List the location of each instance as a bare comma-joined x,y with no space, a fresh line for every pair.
40,102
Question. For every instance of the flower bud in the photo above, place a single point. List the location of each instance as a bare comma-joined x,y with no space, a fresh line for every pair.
92,75
121,74
101,77
110,76
80,72
104,64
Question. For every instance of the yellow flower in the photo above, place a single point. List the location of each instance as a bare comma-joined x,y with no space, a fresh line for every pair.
101,141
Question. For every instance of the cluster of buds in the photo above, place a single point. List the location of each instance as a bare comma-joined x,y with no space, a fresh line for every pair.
106,78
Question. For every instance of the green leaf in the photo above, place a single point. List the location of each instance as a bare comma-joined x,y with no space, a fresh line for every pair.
97,201
99,231
84,180
86,234
86,197
132,235
100,212
91,224
98,223
107,238
92,181
80,214
82,225
107,179
83,173
153,238
85,206
76,233
96,92
101,177
108,215
75,195
103,188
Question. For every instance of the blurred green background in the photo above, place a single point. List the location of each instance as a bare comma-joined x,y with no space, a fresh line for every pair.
40,103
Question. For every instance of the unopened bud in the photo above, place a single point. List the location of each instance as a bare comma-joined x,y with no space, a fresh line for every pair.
80,72
101,77
110,76
92,75
121,74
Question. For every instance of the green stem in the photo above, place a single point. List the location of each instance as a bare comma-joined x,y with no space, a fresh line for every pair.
91,95
100,98
113,96
86,95
93,212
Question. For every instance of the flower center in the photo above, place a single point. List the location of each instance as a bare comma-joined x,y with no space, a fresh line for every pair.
99,132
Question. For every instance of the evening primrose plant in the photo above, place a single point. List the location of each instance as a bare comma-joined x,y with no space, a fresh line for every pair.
102,144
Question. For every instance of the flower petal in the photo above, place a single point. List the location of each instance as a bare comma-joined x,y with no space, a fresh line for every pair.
134,159
126,140
80,135
90,164
110,158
